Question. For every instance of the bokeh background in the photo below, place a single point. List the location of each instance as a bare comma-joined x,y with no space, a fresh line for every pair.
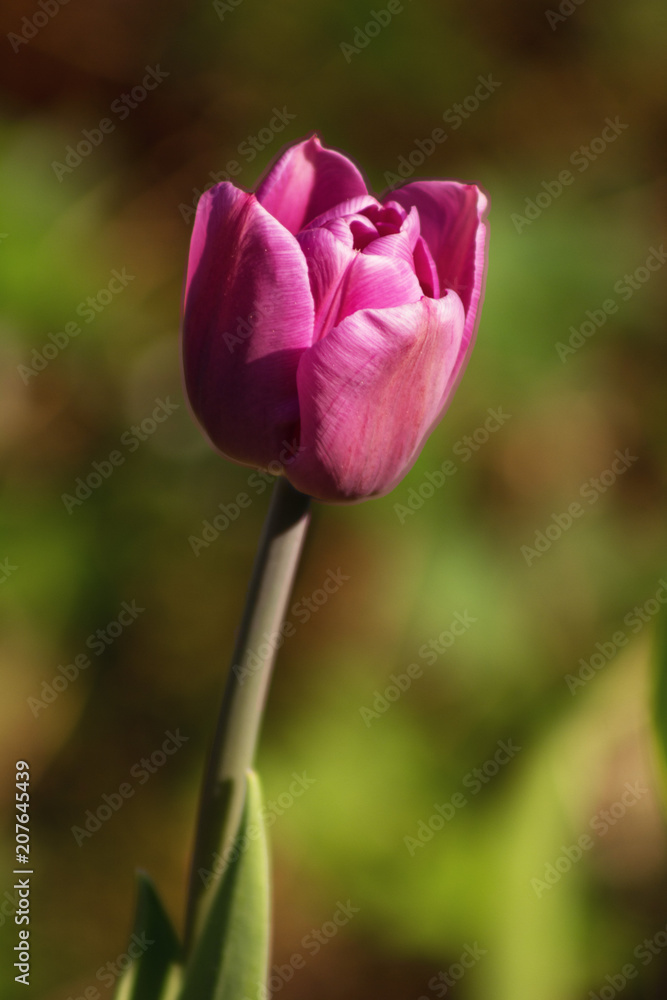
478,884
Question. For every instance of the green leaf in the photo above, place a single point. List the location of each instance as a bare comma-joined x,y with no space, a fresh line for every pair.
660,699
154,975
230,958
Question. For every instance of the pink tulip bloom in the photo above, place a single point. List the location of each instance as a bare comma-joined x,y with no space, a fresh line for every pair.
325,331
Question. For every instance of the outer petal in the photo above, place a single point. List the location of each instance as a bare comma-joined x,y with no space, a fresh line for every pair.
248,317
452,218
307,181
370,391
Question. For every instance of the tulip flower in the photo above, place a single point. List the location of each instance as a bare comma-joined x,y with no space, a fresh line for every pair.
325,330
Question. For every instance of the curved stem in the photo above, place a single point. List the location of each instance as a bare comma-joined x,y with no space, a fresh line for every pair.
237,729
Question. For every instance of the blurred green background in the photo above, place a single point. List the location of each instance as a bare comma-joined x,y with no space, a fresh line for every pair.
495,880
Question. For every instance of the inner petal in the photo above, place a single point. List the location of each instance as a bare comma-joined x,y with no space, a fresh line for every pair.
343,280
363,231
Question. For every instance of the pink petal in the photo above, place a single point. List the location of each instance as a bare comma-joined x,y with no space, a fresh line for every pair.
248,316
369,393
452,218
392,245
343,280
306,181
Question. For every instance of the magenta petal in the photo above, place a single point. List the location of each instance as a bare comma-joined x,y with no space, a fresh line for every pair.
369,394
343,280
248,316
306,181
377,282
452,218
392,245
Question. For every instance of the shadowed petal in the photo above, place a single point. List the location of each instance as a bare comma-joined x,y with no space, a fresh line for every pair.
425,269
370,392
248,315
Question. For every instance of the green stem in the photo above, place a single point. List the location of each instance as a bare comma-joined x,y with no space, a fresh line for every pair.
237,730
